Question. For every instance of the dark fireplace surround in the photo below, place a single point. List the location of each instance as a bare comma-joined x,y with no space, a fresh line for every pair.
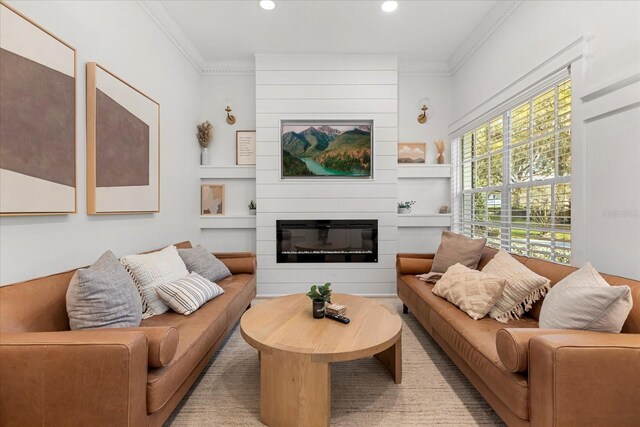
326,240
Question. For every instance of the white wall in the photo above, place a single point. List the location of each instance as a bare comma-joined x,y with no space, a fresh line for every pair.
121,37
240,91
606,107
429,193
326,87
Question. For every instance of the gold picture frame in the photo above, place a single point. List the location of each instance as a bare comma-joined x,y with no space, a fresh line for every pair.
123,175
245,147
37,181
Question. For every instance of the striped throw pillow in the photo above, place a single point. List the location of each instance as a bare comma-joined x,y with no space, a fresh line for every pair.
188,294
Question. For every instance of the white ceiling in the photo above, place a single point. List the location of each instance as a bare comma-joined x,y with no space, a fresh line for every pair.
433,31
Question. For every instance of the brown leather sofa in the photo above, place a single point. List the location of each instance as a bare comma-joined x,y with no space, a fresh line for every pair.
531,376
50,375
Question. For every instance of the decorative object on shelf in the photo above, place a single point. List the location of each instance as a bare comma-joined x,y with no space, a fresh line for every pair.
320,295
37,118
246,147
252,208
327,149
123,146
231,119
425,115
444,209
440,148
412,152
405,207
212,201
205,135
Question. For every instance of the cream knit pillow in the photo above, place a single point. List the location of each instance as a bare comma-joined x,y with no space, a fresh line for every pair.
472,291
524,287
152,270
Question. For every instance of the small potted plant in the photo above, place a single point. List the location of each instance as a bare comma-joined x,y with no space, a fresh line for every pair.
319,295
405,207
252,208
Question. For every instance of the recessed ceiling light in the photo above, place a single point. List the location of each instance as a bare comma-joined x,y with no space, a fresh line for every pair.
268,4
389,6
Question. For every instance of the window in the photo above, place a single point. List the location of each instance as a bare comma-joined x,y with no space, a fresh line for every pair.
515,177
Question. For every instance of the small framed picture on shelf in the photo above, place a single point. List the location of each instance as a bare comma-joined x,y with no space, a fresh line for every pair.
246,147
412,152
212,201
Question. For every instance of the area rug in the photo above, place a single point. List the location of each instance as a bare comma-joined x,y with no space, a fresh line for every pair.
433,390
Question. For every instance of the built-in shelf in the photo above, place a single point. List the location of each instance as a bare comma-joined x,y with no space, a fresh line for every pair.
228,221
425,171
424,220
228,172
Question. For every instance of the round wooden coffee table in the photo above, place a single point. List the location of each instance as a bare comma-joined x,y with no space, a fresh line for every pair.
295,351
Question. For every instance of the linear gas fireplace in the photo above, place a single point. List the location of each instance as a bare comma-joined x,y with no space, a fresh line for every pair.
327,240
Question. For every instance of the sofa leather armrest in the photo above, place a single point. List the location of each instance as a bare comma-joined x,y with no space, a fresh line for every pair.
239,262
414,263
89,377
162,342
585,379
513,345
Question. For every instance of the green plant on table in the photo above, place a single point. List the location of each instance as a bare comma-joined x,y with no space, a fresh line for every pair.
252,205
320,292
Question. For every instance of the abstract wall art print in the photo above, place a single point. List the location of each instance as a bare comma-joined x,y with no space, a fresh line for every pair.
327,149
37,119
212,202
123,146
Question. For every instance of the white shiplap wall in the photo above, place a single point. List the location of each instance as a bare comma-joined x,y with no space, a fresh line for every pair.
331,87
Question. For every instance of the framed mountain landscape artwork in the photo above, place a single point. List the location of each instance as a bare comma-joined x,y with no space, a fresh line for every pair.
327,149
37,119
123,146
412,152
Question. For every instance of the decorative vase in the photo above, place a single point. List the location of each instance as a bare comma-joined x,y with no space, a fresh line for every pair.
252,211
441,158
318,308
204,157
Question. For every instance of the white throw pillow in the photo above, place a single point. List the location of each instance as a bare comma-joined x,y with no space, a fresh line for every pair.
188,294
584,300
524,287
152,270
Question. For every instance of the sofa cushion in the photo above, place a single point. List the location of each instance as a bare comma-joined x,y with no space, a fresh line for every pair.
197,334
474,341
204,263
103,296
188,294
524,287
473,291
153,269
455,248
584,300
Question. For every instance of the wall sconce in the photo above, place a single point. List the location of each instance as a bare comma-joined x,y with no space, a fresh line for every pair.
425,115
231,119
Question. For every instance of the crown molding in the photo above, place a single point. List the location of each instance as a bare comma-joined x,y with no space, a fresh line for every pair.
489,24
409,68
161,16
229,68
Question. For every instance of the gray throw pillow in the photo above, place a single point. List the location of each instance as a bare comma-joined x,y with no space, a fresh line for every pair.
455,248
584,300
201,261
103,296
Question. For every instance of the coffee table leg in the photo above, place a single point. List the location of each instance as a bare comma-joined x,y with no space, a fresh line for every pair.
294,390
392,359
